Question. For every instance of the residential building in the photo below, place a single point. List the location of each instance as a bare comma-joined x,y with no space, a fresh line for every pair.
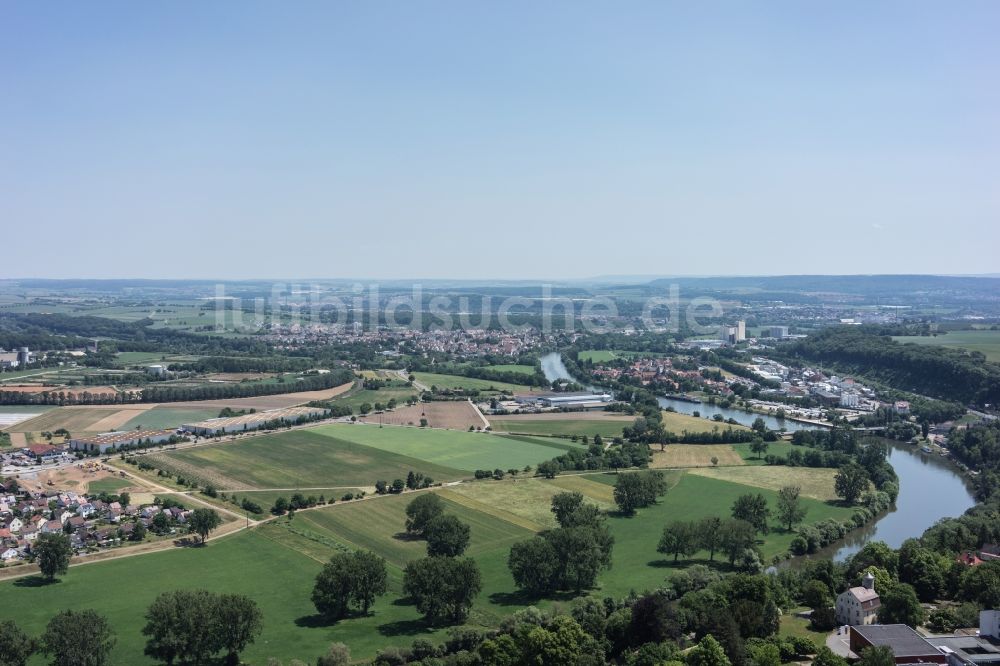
858,605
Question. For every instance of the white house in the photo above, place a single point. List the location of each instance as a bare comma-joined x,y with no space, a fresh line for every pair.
859,605
10,554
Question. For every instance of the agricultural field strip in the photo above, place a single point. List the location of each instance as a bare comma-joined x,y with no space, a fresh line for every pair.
816,483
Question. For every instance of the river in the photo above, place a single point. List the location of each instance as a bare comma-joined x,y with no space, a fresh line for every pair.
930,487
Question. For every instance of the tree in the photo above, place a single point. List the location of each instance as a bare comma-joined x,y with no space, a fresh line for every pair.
349,579
709,534
790,509
280,506
826,657
52,553
900,605
422,510
758,446
16,647
443,588
850,482
564,505
981,584
238,622
707,652
203,521
563,641
759,426
446,536
815,594
548,469
138,531
737,537
179,626
627,493
679,538
877,656
78,638
753,509
337,654
581,554
534,565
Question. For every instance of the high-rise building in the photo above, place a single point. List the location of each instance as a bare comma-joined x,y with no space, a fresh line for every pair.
741,331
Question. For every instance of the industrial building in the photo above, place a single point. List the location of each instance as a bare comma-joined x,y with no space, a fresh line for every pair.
963,648
253,421
117,440
580,400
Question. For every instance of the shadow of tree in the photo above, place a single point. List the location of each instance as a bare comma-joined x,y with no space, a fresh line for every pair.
34,581
403,628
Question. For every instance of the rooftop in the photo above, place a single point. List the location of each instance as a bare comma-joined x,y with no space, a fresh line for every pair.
904,641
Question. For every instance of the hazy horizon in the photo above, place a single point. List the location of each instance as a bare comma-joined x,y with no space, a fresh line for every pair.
437,141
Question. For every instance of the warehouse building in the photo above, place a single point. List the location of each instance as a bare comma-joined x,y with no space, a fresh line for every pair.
581,400
254,421
118,440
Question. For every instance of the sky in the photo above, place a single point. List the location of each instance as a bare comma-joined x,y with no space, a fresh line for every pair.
432,139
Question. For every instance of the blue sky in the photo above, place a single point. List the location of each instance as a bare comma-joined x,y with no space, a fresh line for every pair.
507,140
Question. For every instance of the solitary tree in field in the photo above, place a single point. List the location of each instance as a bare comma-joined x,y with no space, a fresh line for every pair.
790,509
758,446
52,553
421,510
203,521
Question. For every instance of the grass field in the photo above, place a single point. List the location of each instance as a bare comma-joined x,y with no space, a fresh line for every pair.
169,417
816,483
608,428
677,423
520,369
275,563
454,449
637,565
780,448
109,485
597,355
695,455
456,382
987,342
299,458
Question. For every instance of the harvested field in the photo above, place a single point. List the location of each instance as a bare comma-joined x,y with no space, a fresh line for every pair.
675,422
601,493
695,455
454,415
815,483
266,401
193,470
118,419
76,419
521,506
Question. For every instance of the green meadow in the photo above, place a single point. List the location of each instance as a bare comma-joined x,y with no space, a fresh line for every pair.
452,448
985,341
169,417
299,458
276,563
589,427
431,379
